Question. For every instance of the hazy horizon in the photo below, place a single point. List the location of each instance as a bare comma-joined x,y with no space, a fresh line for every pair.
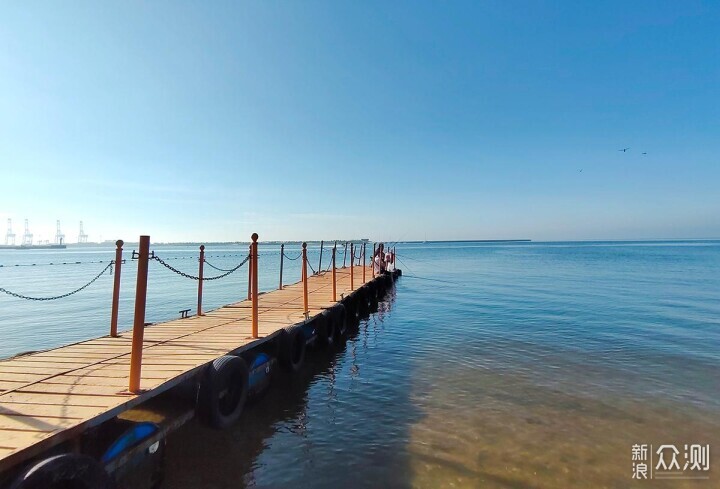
110,242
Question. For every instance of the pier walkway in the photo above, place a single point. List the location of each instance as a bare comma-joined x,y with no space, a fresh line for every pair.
49,397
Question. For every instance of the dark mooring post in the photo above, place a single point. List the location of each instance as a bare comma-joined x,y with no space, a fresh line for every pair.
344,254
282,255
372,261
116,289
139,320
200,279
321,250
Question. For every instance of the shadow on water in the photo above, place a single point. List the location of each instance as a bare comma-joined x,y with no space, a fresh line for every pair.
315,428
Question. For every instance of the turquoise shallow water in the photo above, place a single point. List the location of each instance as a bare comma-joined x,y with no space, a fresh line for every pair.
490,365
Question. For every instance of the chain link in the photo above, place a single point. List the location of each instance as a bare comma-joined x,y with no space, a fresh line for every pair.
170,258
292,259
193,277
28,298
217,268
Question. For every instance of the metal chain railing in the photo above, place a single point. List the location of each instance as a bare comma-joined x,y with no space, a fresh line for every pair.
192,257
62,296
292,259
217,268
194,277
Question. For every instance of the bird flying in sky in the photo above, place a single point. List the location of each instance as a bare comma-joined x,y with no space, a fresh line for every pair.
624,150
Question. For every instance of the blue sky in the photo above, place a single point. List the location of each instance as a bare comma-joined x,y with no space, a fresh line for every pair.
388,120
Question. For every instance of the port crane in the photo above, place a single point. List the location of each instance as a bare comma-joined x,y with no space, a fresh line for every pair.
82,237
9,236
27,237
59,236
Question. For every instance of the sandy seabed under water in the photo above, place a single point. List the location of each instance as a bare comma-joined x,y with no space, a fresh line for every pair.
509,433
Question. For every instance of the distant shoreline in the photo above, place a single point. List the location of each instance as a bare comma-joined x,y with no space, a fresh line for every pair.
313,242
472,241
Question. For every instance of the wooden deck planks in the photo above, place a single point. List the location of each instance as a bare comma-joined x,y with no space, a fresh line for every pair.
61,399
45,395
35,423
50,410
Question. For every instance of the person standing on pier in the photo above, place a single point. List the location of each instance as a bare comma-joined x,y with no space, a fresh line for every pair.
379,259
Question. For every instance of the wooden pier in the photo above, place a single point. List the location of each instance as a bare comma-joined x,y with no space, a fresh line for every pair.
50,397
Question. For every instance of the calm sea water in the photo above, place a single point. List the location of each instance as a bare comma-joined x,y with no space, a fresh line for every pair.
528,365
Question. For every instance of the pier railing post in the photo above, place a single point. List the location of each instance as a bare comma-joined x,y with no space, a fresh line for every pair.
200,279
344,254
322,243
282,255
250,271
352,268
334,278
116,289
372,260
306,309
139,319
363,262
255,294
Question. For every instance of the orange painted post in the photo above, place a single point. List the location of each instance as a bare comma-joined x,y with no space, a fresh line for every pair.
282,255
254,261
139,320
334,278
352,268
363,258
305,280
200,279
116,289
250,272
372,262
